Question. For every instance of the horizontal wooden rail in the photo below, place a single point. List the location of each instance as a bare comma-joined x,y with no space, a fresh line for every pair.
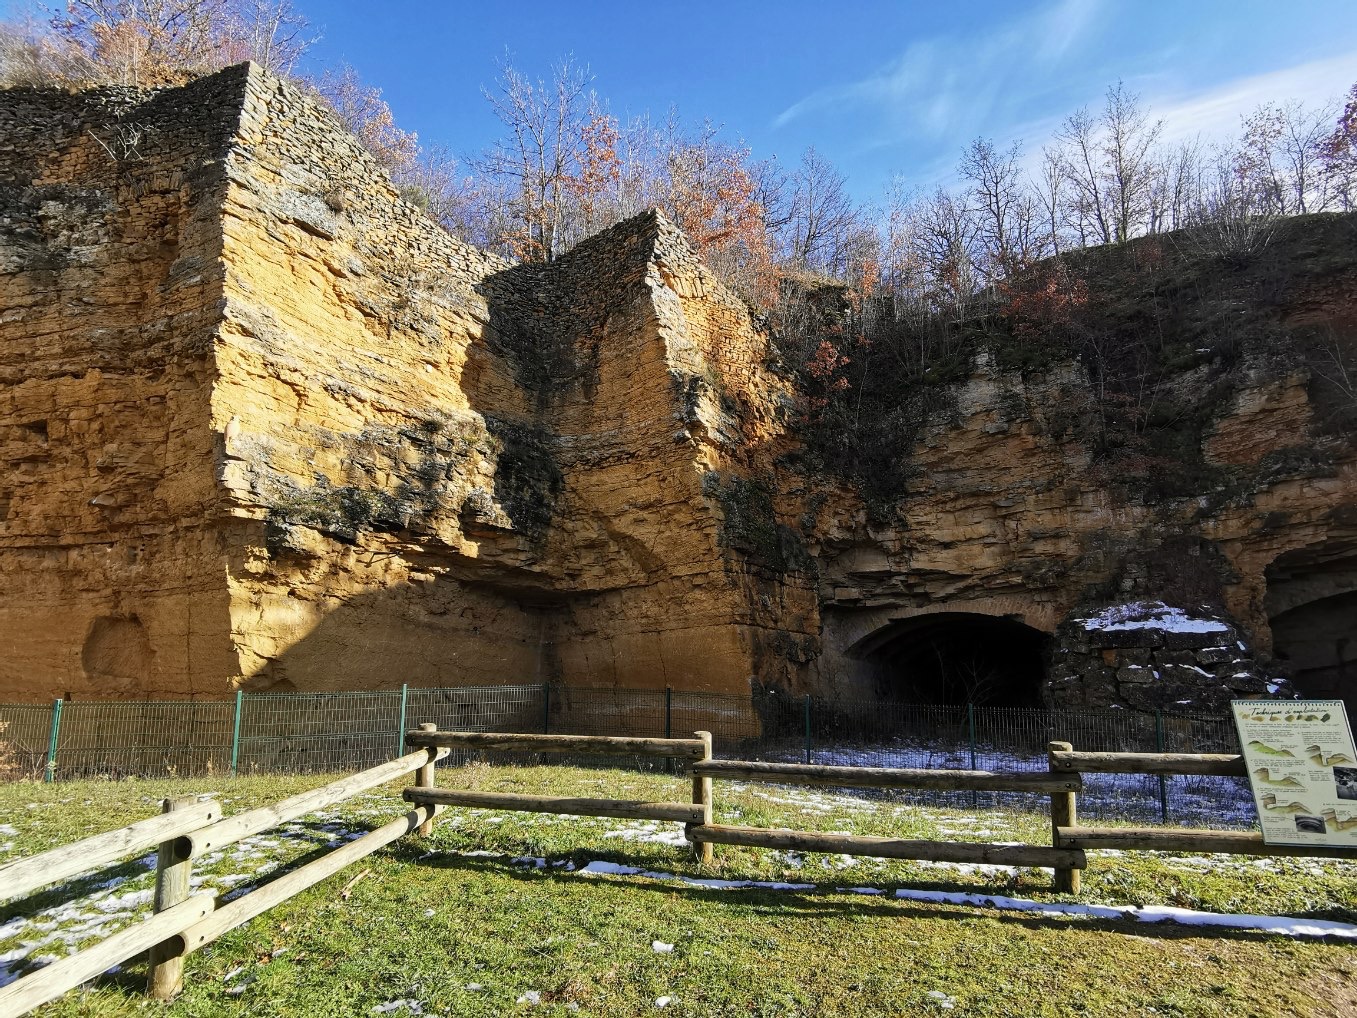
627,809
889,848
246,907
608,745
50,982
1229,765
23,876
1186,839
889,777
254,821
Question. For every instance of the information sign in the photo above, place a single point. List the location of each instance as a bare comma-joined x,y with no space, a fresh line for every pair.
1303,769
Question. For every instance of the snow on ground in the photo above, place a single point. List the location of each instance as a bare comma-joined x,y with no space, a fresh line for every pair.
112,904
1191,800
652,831
1283,925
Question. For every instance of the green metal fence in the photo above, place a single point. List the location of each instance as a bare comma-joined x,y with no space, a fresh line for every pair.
328,732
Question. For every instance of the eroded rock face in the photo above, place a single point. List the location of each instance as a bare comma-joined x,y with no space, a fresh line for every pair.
261,405
262,425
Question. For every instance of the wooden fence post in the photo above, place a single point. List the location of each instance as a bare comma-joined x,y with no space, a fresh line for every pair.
702,798
424,779
1064,813
174,862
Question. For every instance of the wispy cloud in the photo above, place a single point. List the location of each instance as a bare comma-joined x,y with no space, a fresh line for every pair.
942,83
1215,113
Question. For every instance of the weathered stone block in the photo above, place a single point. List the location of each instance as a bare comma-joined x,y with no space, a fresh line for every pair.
1135,674
1165,656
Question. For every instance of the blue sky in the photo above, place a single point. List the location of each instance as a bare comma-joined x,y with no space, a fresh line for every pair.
882,89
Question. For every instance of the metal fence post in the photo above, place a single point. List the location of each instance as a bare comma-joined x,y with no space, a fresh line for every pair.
669,723
49,772
546,708
400,732
1163,781
806,712
970,724
235,736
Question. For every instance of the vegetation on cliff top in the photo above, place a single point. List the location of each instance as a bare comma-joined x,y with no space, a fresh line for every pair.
1145,345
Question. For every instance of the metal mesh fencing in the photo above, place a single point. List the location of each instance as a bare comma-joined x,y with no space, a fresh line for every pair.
25,731
300,733
327,732
151,739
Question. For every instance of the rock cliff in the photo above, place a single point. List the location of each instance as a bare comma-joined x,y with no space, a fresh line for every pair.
264,426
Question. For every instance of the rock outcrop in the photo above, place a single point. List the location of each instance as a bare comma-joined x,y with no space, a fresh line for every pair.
264,426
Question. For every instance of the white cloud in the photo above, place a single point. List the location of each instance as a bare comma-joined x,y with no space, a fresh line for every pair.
941,83
1215,113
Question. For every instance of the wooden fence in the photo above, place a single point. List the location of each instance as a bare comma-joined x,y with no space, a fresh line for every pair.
183,923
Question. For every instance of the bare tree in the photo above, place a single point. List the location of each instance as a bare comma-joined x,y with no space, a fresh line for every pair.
1173,187
1080,158
822,216
1052,196
1007,214
158,42
947,237
363,111
1129,138
435,182
538,159
1109,167
1281,157
1340,155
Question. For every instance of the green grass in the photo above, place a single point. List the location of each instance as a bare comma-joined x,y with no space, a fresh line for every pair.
434,918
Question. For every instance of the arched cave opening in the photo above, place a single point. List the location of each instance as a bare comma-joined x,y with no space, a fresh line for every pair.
958,658
1312,609
1318,642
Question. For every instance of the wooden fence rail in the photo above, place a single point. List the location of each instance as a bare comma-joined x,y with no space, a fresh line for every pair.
696,749
22,877
1066,832
603,745
1061,859
888,777
187,829
182,923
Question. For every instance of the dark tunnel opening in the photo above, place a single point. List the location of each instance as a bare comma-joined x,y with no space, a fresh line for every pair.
957,658
1312,610
1318,643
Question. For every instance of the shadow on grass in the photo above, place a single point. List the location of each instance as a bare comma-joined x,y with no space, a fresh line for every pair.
831,899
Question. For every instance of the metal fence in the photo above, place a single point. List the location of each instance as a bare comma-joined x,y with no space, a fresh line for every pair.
328,732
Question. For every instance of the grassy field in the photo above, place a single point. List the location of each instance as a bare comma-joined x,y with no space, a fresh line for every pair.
511,913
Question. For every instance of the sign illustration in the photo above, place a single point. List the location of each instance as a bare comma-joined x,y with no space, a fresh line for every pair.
1303,769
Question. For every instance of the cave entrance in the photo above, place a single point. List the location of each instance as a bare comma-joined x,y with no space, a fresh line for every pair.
1312,609
1318,642
958,658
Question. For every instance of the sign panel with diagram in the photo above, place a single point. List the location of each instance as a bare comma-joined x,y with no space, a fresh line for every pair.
1303,769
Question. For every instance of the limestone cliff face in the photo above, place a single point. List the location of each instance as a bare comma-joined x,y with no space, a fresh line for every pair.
110,292
263,425
373,454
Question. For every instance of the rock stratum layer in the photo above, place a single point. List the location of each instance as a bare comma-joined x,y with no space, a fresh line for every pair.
264,426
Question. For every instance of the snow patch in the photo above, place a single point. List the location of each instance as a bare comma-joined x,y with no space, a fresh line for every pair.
1284,925
409,1004
1149,615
